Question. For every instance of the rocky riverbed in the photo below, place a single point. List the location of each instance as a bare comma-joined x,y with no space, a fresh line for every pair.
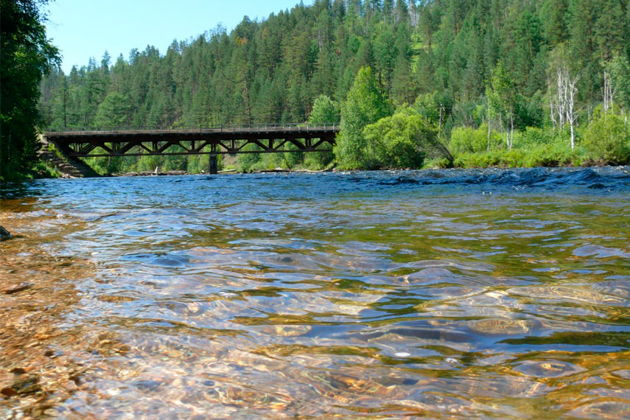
459,294
41,362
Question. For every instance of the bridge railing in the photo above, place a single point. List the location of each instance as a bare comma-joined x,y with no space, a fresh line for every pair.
220,128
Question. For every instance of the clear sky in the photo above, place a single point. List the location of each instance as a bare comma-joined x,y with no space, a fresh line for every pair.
87,28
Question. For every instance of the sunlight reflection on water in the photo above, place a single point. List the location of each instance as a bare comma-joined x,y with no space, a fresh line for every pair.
470,293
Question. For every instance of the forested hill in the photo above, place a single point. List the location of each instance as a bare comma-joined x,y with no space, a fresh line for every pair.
458,63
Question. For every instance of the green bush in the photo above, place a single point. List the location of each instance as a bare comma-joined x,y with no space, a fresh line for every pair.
437,163
474,140
149,163
43,170
607,139
543,155
533,136
246,162
318,160
400,141
554,154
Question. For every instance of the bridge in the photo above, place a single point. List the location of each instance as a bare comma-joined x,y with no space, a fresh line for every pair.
212,142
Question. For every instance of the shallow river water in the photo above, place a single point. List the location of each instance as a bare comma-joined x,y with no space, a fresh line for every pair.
496,293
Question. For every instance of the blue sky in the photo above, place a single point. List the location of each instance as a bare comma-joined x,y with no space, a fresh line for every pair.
87,28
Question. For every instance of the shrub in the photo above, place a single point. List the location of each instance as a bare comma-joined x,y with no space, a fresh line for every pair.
533,136
400,141
554,154
545,155
607,139
438,163
473,140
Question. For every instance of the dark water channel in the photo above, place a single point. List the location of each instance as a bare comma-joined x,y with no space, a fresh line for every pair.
449,293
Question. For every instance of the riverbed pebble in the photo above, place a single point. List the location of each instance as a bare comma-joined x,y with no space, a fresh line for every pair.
19,288
4,234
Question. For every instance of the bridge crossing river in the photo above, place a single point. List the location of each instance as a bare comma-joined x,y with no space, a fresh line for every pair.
213,142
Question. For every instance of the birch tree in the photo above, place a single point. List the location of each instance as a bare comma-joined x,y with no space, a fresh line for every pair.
608,92
563,93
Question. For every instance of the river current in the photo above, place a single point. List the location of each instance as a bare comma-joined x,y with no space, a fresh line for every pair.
494,294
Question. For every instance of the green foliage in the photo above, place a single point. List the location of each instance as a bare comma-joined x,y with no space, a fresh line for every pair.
515,158
25,55
365,105
249,162
197,164
619,68
113,112
325,112
149,163
502,97
43,170
474,140
532,147
534,136
551,155
498,158
607,138
435,107
438,163
400,141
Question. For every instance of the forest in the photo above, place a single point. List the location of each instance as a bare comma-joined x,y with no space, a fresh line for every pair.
413,83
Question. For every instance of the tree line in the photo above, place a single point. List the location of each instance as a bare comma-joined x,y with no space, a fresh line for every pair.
412,82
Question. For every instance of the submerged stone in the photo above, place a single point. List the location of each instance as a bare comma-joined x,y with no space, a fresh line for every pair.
19,288
22,387
4,234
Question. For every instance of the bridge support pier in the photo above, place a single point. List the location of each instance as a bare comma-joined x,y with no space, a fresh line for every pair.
213,166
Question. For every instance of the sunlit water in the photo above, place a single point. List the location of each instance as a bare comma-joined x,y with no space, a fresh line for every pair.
448,293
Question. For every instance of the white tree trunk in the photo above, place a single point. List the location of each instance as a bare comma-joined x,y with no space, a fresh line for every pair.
561,96
608,93
562,109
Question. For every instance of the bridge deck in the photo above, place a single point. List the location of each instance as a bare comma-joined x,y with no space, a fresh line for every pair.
202,141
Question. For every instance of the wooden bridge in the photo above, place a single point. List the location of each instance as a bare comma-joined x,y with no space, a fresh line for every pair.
212,142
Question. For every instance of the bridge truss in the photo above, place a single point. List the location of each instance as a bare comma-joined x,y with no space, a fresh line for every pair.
78,144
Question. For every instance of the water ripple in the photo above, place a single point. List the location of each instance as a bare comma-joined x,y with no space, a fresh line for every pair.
388,294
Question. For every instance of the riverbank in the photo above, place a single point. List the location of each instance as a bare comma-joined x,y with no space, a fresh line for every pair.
499,163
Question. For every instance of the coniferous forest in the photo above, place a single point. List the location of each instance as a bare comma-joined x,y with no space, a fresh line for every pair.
413,83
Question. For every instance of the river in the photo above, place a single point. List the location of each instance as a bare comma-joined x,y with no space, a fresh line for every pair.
493,293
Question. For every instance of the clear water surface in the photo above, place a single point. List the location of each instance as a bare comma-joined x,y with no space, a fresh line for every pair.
495,293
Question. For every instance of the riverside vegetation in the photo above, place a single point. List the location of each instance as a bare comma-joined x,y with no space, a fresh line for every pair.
25,54
496,82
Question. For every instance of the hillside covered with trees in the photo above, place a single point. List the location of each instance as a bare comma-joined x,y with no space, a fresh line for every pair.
496,82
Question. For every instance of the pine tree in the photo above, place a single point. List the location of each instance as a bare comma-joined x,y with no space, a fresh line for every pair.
113,112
